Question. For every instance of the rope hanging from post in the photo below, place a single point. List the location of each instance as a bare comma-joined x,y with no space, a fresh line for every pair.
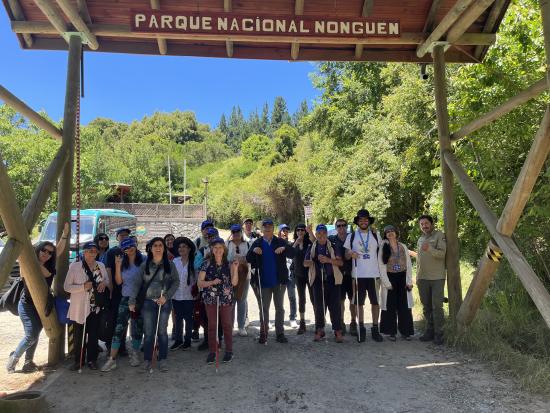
78,186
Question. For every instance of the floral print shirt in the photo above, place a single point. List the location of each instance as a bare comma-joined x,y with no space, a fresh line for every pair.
223,290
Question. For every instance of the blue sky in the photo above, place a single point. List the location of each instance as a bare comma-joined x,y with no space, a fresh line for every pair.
128,87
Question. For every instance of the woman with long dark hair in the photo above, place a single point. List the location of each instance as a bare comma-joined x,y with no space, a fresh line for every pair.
396,300
183,300
46,254
102,242
302,241
160,278
127,275
169,243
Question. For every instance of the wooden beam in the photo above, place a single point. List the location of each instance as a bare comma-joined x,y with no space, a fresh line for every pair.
452,258
432,15
228,8
72,13
82,7
467,19
46,6
18,14
365,12
450,18
295,46
519,264
21,107
490,24
121,30
161,41
530,93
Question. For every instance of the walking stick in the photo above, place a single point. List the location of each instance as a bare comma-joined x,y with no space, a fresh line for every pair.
262,316
357,301
82,348
323,292
155,349
217,335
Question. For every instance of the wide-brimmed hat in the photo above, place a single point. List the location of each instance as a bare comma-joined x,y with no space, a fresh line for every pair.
363,213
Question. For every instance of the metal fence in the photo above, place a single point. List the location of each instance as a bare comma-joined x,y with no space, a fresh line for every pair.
161,210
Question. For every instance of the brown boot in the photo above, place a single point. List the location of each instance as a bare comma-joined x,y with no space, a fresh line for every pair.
319,334
339,337
302,328
263,334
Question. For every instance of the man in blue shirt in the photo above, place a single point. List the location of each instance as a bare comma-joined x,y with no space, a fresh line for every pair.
268,256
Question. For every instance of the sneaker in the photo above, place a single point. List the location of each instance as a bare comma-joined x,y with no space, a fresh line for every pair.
134,359
438,339
392,337
353,328
246,322
177,344
195,335
281,338
319,334
362,333
293,324
147,365
344,331
427,336
92,365
376,334
407,338
211,358
302,328
29,367
186,345
339,337
243,332
109,365
163,366
269,326
12,362
228,356
203,346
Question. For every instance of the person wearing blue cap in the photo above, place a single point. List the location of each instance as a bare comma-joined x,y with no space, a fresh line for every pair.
202,241
324,260
291,286
127,275
237,248
268,256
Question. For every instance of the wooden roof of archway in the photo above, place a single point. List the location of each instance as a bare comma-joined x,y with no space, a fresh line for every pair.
41,24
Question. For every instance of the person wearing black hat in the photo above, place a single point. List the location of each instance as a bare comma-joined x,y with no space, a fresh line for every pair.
303,236
362,245
268,256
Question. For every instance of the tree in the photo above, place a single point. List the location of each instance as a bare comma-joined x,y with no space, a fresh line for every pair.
300,113
238,130
257,147
279,115
222,125
285,139
264,120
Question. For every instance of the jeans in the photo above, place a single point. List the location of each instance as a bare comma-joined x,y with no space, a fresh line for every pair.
291,290
278,294
150,313
91,338
184,311
225,322
32,327
431,295
122,324
242,306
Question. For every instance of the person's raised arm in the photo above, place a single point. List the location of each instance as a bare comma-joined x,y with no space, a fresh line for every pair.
62,241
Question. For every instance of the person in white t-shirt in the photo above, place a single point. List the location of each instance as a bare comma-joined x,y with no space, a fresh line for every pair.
362,246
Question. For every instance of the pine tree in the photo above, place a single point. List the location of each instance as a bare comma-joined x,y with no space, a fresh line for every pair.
264,120
279,115
254,125
222,125
302,111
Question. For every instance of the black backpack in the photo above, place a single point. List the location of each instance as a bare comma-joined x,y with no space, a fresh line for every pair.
10,300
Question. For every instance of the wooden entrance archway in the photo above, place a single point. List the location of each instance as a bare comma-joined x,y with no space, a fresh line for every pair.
414,31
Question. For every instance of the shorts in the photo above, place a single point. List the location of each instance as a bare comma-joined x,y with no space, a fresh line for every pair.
346,289
370,286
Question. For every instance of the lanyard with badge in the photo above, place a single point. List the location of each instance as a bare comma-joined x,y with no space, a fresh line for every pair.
365,245
397,267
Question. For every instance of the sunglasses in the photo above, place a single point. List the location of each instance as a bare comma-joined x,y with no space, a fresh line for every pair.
300,230
341,226
235,232
103,238
47,251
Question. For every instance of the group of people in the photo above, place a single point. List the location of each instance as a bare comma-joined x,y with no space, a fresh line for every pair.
205,283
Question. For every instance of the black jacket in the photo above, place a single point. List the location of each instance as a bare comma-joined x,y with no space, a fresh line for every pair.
256,260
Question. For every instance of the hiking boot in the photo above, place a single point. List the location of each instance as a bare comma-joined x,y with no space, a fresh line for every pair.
427,336
203,346
376,334
177,344
29,367
362,334
438,339
211,358
243,332
263,338
195,335
186,345
109,365
344,330
92,365
406,338
281,338
302,328
74,367
227,357
339,336
134,359
163,366
147,365
319,334
353,328
12,362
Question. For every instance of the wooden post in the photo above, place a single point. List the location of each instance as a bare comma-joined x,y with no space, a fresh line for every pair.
449,207
516,202
65,192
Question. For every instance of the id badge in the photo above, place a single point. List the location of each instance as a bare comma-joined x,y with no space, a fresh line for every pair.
366,256
397,267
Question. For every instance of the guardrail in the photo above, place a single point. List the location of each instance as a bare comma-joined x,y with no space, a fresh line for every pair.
161,210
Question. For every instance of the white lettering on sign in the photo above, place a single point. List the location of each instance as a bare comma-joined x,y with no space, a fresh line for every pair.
166,22
138,19
394,29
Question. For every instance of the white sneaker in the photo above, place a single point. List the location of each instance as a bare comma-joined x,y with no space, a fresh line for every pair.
293,324
109,365
163,367
246,322
243,332
134,359
269,326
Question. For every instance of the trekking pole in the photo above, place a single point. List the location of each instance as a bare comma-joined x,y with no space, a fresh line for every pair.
217,335
155,349
323,292
82,348
357,301
262,317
